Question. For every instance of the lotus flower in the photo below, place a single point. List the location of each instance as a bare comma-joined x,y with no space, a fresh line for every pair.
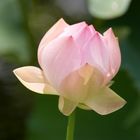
77,64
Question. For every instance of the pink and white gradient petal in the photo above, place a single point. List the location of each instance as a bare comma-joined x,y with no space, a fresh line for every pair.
33,78
96,54
55,31
60,58
104,101
112,46
80,32
77,84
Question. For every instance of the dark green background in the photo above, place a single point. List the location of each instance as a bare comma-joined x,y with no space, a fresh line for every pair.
29,116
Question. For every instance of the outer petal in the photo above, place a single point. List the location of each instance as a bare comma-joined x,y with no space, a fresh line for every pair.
59,59
83,36
96,54
104,101
81,32
33,78
113,49
76,85
57,28
66,106
92,29
74,29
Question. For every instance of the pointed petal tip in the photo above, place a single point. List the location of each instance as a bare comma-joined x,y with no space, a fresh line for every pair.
16,71
109,32
107,112
62,20
33,79
92,28
83,23
105,102
80,24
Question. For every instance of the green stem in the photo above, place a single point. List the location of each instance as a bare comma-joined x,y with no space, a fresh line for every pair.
70,127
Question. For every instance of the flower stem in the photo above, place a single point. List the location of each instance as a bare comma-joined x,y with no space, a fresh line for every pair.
70,127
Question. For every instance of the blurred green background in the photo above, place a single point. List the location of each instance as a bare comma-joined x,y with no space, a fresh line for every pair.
29,116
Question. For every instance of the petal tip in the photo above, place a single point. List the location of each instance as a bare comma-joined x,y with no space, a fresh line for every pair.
31,77
109,32
118,106
15,71
62,20
105,102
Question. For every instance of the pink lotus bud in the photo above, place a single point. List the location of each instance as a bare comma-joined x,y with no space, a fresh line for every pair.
77,63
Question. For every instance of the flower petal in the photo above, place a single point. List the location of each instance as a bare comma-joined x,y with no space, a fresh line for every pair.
104,101
80,32
59,59
82,36
57,28
83,106
66,106
113,49
32,78
76,85
72,30
96,54
92,29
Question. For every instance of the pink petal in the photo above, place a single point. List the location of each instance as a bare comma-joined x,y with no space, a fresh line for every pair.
104,101
72,30
59,59
113,49
32,78
92,29
96,54
81,32
57,29
82,36
66,106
